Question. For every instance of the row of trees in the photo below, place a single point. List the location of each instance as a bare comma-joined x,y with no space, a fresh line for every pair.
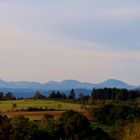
97,94
101,94
115,94
7,96
56,95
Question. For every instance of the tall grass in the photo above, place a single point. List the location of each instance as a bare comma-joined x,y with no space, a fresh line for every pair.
132,131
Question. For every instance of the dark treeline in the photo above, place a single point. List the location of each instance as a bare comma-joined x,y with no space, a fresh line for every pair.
56,95
7,96
59,95
115,94
39,95
97,94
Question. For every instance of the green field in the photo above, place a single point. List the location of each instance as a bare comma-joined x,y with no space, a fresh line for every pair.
105,128
50,104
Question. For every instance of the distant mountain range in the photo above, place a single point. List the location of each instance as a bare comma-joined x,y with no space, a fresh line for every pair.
27,89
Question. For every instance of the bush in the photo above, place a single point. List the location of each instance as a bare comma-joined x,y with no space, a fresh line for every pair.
20,128
74,125
5,128
111,114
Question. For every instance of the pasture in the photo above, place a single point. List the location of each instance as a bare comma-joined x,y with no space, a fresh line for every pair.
7,109
50,104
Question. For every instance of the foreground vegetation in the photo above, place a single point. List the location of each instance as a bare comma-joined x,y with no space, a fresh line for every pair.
110,122
111,114
119,120
70,125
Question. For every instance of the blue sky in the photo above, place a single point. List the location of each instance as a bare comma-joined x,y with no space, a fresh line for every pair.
90,40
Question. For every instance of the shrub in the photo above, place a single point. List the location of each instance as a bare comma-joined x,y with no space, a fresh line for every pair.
132,131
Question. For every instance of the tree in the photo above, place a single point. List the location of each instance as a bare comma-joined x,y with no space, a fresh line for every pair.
64,96
47,119
5,127
9,96
38,95
1,96
20,128
72,94
14,106
74,125
58,95
52,95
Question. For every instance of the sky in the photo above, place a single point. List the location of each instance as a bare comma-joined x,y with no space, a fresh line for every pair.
86,40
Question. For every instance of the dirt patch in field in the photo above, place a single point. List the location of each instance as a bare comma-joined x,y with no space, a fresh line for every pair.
32,113
39,113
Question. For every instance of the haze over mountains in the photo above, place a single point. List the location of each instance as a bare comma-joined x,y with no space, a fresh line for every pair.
27,89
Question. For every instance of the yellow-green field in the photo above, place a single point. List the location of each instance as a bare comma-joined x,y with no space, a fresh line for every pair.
50,104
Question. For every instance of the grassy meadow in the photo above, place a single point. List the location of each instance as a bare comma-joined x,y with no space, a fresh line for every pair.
50,104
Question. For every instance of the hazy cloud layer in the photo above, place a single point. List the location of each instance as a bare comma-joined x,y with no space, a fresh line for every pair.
90,40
